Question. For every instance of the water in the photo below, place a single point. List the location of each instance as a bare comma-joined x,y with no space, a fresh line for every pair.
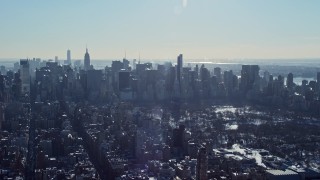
8,63
279,62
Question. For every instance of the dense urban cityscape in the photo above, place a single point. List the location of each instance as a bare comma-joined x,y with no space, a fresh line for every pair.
141,120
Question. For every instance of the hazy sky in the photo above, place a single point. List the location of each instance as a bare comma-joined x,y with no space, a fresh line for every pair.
160,29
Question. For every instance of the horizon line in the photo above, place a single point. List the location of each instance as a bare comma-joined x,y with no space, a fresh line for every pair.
166,59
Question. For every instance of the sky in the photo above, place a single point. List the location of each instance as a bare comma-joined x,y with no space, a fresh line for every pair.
160,29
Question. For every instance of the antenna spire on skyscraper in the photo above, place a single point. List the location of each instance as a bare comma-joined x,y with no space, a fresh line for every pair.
87,60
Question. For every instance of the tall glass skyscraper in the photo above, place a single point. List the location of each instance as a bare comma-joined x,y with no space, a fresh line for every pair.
68,57
179,70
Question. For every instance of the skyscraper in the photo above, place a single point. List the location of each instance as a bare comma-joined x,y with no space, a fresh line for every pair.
134,63
202,164
179,70
124,80
318,80
228,79
68,57
94,78
249,76
25,76
126,63
290,81
217,73
86,61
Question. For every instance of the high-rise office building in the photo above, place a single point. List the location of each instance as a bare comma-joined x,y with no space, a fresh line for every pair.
170,79
86,60
266,76
318,81
178,136
134,63
202,164
126,64
68,57
179,69
124,80
116,66
281,81
94,78
196,69
166,151
228,79
25,76
217,73
249,76
290,81
2,117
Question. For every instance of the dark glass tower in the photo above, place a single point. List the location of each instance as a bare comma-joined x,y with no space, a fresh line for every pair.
290,81
202,164
179,70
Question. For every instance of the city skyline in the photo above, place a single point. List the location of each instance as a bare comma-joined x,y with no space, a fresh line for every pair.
161,29
160,89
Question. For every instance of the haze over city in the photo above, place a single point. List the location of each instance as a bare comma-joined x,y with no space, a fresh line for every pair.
202,29
160,90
